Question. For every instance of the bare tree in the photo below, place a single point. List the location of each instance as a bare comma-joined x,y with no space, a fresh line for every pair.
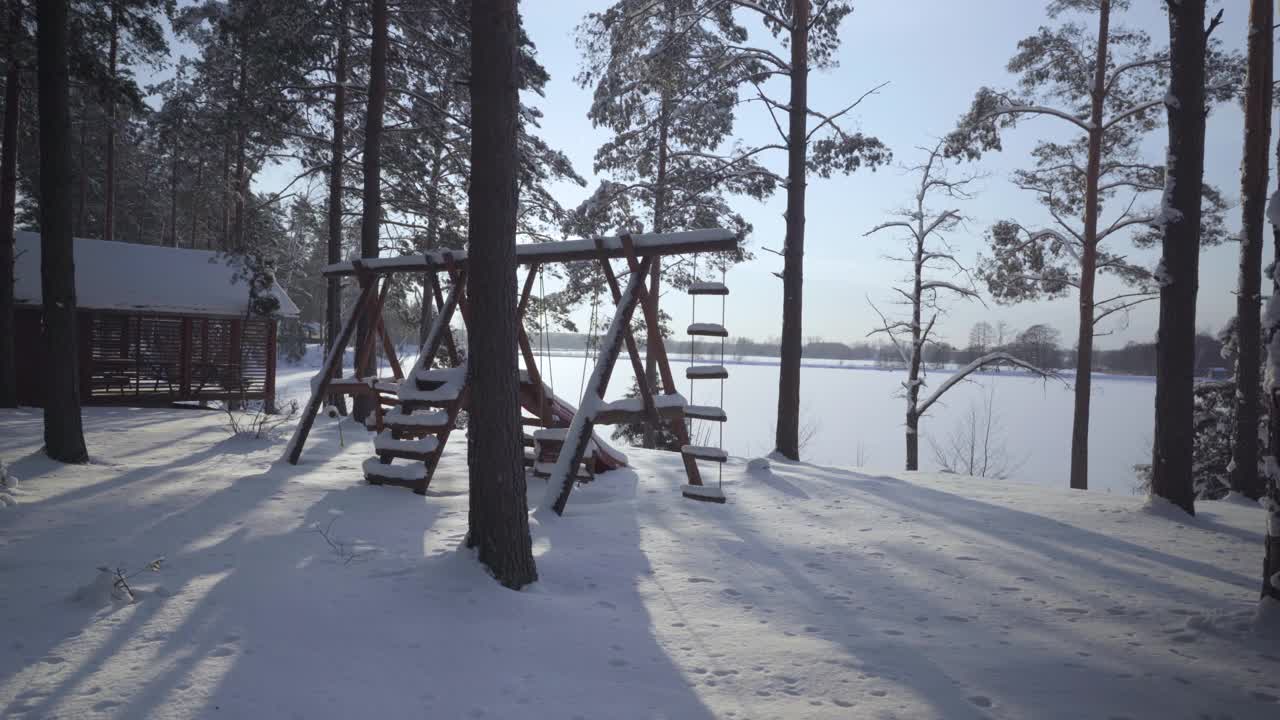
975,446
936,273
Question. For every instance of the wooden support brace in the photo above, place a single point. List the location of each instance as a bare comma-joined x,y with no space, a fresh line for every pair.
580,430
331,363
633,350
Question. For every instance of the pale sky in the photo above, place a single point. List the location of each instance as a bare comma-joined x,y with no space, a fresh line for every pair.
934,54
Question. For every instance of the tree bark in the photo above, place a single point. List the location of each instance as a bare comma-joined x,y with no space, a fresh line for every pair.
1245,478
1171,475
8,196
63,435
1089,262
337,150
787,438
917,346
370,221
426,313
499,521
109,187
173,191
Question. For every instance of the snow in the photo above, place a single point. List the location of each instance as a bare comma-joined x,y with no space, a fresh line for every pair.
130,276
531,252
387,442
408,471
815,592
636,404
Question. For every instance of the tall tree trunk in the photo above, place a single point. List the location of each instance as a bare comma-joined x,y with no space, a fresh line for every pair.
1271,554
241,179
1171,476
370,220
63,435
82,211
337,151
499,520
1089,262
193,197
8,193
787,438
1245,478
426,312
917,347
173,193
661,197
109,187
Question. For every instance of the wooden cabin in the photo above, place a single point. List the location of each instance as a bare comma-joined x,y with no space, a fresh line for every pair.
158,326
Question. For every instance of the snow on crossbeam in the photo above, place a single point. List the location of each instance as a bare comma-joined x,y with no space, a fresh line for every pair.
708,329
706,372
676,243
629,409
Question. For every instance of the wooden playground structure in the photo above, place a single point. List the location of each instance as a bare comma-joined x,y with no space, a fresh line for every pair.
414,414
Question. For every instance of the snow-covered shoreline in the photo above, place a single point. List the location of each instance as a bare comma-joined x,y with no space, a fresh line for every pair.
816,592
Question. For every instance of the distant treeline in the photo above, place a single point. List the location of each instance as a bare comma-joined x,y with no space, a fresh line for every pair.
1039,345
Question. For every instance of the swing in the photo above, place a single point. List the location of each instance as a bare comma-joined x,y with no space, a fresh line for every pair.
706,413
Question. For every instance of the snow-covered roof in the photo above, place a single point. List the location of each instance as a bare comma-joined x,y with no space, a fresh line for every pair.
127,276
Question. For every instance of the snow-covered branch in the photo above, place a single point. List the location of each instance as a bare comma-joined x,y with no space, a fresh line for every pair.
988,360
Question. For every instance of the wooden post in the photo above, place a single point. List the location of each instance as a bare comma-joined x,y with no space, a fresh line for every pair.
269,391
334,360
374,318
633,350
579,434
184,360
389,349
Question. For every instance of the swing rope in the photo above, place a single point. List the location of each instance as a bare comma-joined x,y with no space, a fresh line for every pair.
591,335
723,340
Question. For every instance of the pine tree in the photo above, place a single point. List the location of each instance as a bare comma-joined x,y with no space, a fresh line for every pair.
499,521
1108,85
63,435
1245,478
666,84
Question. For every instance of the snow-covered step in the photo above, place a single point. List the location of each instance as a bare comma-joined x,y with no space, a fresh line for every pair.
705,493
703,452
391,387
385,444
708,288
419,422
409,475
437,396
706,372
705,412
441,375
708,330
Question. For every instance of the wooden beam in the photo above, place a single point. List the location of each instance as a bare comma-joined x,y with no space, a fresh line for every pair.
375,318
331,363
580,430
527,291
633,350
653,244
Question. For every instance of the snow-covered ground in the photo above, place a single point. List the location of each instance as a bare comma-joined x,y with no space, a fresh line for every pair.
814,592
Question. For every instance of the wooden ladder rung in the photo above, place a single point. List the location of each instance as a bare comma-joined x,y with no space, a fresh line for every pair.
708,288
702,452
708,330
705,412
706,372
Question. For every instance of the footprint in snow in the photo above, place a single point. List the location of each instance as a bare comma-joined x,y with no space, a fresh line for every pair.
699,580
981,701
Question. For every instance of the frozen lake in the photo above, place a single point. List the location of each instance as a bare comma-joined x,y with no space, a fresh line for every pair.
856,416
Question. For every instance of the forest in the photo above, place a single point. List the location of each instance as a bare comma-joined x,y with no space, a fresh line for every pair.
253,251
